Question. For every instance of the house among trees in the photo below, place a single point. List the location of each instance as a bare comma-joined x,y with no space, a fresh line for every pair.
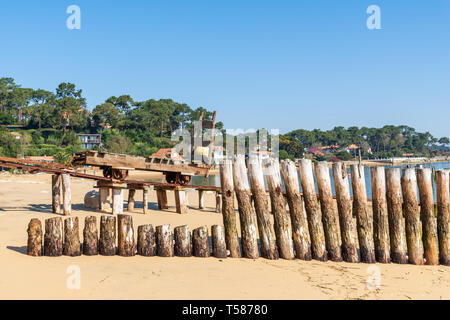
89,141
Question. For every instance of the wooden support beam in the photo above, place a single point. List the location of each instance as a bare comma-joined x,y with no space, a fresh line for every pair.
281,217
71,237
126,242
146,244
53,237
313,213
218,242
183,247
34,245
130,204
380,215
161,196
200,242
56,193
117,201
443,200
103,198
67,195
269,249
413,225
145,200
107,243
246,212
201,199
164,240
228,213
329,215
181,202
90,236
363,219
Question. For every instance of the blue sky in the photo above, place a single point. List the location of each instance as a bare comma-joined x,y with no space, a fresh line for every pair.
273,64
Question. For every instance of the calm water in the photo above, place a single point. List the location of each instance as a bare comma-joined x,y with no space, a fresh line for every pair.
214,180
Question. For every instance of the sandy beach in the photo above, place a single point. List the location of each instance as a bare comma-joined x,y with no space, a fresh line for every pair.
23,197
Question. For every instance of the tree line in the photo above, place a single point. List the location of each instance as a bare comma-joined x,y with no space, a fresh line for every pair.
50,121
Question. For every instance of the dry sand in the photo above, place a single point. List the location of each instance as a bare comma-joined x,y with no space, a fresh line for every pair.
23,197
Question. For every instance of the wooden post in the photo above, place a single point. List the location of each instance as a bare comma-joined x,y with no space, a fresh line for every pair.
201,200
103,195
299,221
56,193
218,242
117,201
218,202
126,242
67,196
344,204
145,200
181,203
363,219
228,213
161,196
413,225
146,244
164,240
443,205
267,238
380,215
107,243
329,215
71,237
246,212
314,215
429,226
53,237
183,247
90,236
395,214
130,205
200,242
280,215
34,245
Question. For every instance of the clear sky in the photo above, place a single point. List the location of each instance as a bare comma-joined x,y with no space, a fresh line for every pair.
273,64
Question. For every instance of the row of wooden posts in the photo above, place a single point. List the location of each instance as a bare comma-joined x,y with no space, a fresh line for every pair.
115,191
400,230
160,241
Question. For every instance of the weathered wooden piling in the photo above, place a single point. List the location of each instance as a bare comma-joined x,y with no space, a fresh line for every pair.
281,217
161,197
200,242
130,205
330,217
397,234
72,245
313,213
218,241
117,200
380,215
56,193
126,242
146,244
145,200
67,195
107,242
429,226
183,247
267,238
364,223
90,236
299,221
201,199
181,201
103,195
228,213
246,212
53,237
344,204
413,225
34,244
164,240
443,206
218,202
